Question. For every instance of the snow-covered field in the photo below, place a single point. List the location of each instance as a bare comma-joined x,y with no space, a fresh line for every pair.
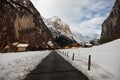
15,66
105,60
104,66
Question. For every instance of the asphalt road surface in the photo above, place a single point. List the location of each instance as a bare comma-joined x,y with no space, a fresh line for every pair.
54,67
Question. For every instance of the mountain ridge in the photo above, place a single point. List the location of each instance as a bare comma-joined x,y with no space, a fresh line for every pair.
61,32
56,24
111,26
83,39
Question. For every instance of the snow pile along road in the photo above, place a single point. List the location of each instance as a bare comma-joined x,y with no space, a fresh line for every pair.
15,66
105,60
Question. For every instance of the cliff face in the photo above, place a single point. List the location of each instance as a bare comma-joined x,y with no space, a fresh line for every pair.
62,35
58,27
21,22
111,26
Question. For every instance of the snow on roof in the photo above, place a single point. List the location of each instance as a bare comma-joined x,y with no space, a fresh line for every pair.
15,43
50,43
88,44
22,45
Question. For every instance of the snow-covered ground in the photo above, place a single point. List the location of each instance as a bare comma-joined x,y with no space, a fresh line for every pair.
105,60
15,66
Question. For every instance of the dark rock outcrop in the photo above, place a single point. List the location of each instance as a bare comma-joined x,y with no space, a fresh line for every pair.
21,22
111,26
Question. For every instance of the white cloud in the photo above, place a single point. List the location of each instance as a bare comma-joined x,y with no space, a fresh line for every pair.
89,26
79,14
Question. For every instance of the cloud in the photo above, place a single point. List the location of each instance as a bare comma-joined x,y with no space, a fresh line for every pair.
81,15
92,25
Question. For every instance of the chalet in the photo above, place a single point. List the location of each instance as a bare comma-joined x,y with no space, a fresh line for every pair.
88,45
22,47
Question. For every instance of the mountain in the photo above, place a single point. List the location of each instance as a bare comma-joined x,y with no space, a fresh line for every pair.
83,39
21,22
111,26
60,31
56,25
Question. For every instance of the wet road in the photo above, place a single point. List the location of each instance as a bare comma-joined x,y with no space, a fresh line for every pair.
54,67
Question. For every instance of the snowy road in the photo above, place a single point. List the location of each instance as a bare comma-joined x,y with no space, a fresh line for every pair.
54,67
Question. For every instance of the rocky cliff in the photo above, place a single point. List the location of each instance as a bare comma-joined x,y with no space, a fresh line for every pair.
21,22
55,24
111,26
61,32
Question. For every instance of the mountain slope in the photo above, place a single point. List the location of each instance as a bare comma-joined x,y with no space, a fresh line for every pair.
55,24
82,39
60,31
21,22
111,26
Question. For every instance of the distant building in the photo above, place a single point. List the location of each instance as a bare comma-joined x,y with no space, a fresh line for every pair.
88,45
22,47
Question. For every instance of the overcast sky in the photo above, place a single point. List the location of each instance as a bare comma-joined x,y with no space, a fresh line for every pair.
84,16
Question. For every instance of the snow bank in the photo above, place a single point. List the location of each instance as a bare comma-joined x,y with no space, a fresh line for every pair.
105,60
15,66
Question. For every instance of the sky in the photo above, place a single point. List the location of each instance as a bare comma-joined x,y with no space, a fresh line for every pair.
83,16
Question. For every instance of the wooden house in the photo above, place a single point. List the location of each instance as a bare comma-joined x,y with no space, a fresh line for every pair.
22,47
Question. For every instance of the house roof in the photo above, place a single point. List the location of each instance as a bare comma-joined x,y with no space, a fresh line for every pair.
88,44
15,43
22,45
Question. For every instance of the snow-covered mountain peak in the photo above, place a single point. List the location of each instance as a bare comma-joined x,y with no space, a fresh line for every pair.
55,18
57,26
85,38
